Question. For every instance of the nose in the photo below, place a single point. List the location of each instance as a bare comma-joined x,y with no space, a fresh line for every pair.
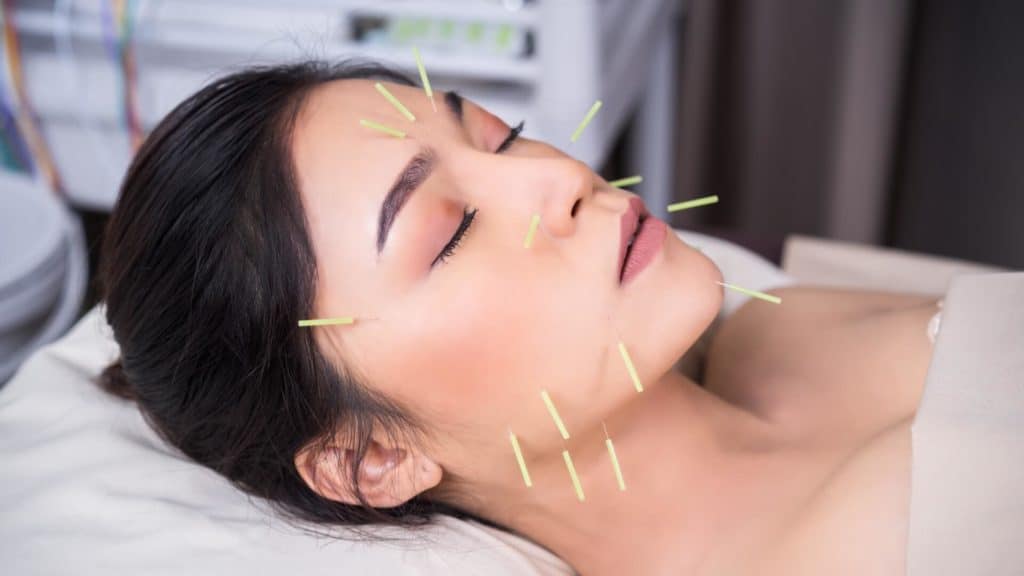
562,185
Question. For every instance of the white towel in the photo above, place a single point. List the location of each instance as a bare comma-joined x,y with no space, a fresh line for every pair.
966,508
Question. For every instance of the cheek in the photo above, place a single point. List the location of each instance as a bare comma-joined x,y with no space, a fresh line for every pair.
489,339
454,355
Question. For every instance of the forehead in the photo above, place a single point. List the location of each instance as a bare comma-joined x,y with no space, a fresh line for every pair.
343,170
327,128
331,148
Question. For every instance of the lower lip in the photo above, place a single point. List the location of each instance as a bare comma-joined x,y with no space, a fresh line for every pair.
648,242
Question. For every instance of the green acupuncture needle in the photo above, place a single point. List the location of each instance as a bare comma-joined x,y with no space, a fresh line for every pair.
623,182
327,321
615,459
572,474
520,459
394,101
382,128
586,120
692,203
754,293
630,367
554,414
423,77
534,222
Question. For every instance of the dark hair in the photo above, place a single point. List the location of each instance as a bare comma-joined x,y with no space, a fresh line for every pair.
207,267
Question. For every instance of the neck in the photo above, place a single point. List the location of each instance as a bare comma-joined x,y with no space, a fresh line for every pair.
694,467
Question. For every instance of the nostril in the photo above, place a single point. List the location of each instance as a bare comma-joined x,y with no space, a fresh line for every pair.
575,207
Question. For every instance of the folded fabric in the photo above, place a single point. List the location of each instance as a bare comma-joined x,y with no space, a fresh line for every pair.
966,511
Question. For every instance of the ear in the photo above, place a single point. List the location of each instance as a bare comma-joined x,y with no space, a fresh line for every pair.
388,477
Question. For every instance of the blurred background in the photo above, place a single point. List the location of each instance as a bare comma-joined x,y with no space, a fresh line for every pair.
894,123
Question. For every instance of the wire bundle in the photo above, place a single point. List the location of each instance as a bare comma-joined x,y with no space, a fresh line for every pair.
27,142
119,33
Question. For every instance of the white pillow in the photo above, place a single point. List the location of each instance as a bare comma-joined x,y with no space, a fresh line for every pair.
86,487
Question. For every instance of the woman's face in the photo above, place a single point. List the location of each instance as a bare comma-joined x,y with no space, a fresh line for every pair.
467,341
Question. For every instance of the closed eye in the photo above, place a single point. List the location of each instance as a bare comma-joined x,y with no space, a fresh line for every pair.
469,215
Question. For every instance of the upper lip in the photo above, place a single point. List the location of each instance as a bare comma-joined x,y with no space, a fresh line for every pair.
635,211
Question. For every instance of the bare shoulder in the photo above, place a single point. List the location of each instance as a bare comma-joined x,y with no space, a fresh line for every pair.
857,521
807,303
822,349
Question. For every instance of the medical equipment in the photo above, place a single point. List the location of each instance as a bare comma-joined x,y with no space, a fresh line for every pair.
43,269
530,60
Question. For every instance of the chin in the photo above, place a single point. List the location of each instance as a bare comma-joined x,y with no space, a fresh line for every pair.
681,301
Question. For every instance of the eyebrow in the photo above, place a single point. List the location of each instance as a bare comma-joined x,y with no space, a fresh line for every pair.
415,173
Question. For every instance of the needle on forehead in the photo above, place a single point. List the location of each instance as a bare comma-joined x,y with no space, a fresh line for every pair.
394,101
423,77
382,128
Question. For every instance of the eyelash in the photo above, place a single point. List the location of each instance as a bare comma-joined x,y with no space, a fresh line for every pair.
449,249
512,135
467,215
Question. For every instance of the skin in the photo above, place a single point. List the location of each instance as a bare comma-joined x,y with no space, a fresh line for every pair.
714,474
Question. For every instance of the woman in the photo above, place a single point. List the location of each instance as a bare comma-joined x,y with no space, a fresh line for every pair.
262,201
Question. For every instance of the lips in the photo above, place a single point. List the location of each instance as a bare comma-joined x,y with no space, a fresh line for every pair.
631,219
